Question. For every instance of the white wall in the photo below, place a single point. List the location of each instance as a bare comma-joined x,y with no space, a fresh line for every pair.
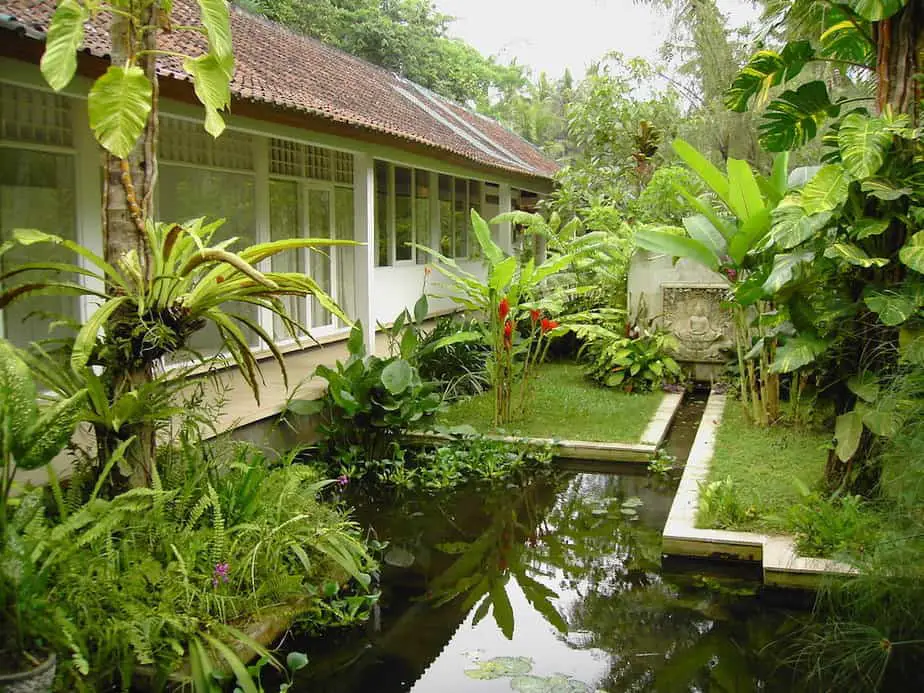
398,287
649,271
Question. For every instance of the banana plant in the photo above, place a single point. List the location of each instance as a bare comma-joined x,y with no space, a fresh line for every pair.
729,238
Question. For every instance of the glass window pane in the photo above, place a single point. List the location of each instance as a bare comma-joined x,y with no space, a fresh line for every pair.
381,213
186,193
320,262
446,240
37,191
285,222
343,216
474,202
422,213
460,225
404,233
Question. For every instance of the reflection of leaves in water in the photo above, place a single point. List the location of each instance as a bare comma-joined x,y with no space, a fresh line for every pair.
548,684
500,666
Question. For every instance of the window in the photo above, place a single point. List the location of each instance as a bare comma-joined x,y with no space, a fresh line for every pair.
422,213
285,222
345,255
184,193
446,239
319,226
461,219
404,213
37,190
382,189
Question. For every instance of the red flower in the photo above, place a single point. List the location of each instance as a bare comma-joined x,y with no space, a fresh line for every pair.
548,325
508,334
503,308
534,315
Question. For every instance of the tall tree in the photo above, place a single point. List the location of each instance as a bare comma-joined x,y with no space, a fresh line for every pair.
409,37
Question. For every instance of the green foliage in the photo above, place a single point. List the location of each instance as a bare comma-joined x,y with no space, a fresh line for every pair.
721,506
223,537
190,283
121,100
829,526
619,355
459,366
30,436
369,402
408,37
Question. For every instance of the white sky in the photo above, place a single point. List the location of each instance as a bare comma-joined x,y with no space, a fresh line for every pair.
552,35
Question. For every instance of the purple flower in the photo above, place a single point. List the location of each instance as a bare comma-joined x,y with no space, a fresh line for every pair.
220,573
343,480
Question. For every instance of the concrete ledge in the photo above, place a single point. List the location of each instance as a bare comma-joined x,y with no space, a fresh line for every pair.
657,428
781,565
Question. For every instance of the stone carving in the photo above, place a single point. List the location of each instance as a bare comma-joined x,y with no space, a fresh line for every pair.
694,314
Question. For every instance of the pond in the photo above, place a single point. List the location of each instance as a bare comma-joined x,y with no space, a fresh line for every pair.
551,585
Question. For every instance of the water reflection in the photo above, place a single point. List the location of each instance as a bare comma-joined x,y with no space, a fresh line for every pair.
549,586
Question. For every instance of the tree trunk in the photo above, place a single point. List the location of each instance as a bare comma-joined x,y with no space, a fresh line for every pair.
128,199
899,41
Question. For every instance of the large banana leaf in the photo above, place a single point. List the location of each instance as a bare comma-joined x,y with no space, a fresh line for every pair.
658,241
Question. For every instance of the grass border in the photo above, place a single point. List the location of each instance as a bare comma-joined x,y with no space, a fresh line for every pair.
782,566
640,452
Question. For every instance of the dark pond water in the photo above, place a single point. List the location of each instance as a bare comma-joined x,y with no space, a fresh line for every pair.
554,585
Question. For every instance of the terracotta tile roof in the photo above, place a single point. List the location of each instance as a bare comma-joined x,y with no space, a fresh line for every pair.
279,67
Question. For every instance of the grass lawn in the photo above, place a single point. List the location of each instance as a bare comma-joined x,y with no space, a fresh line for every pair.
565,405
762,463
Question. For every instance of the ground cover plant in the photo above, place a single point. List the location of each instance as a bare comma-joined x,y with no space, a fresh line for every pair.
566,406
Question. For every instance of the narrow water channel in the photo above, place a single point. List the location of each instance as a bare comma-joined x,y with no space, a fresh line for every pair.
555,585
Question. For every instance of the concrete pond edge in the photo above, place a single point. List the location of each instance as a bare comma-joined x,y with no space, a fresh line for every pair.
642,452
781,564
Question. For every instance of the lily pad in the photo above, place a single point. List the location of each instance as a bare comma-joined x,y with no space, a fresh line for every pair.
399,557
557,683
628,512
633,502
500,666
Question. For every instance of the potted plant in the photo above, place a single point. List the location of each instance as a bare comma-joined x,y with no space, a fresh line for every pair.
30,436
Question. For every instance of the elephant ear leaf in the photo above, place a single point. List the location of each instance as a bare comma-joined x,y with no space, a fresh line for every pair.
876,10
847,431
764,70
912,254
51,432
795,116
863,142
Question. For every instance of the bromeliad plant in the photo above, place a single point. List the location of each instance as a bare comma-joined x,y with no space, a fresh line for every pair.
503,299
149,311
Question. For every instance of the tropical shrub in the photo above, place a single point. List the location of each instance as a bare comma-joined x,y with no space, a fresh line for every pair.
732,241
370,401
460,366
149,312
157,575
849,245
508,295
720,505
617,354
828,526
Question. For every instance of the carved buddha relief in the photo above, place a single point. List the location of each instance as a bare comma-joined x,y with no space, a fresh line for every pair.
694,314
